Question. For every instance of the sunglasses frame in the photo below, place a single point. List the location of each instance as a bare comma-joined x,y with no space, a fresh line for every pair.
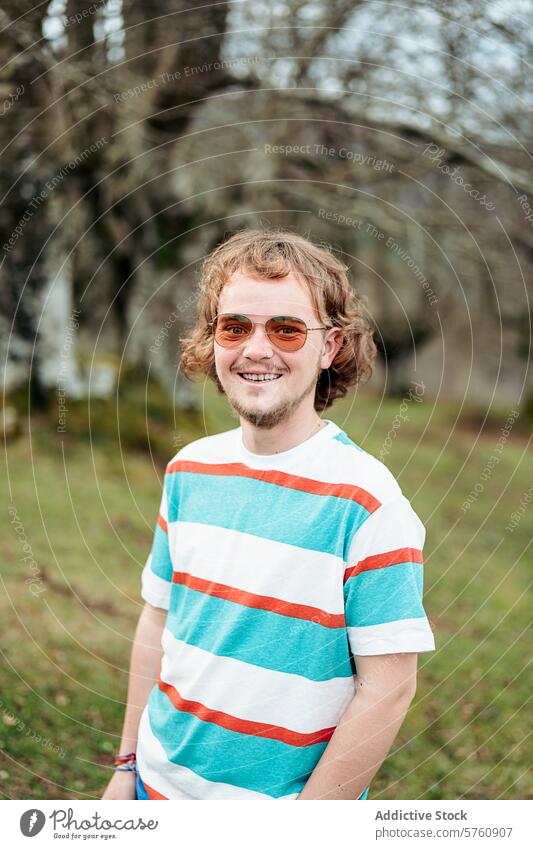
263,324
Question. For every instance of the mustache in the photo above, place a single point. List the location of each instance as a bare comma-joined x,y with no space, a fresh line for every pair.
245,369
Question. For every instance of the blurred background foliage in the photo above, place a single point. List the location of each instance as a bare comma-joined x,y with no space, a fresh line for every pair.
136,136
145,133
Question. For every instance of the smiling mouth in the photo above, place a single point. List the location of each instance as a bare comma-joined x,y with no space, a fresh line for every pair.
259,378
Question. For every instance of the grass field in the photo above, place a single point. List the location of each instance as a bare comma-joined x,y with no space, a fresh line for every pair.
79,523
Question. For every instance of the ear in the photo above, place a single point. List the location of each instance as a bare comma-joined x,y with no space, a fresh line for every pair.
331,346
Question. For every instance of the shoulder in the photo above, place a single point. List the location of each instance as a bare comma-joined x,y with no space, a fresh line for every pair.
351,464
393,510
207,449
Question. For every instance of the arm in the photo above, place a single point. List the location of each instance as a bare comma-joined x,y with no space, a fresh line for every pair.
385,687
145,663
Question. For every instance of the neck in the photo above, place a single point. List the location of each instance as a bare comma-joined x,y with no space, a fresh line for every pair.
283,436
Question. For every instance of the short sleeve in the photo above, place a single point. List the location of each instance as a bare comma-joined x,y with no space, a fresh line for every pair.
383,583
157,573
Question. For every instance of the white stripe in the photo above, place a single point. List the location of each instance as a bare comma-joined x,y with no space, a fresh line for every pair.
394,525
251,692
154,589
258,565
404,635
163,507
226,447
179,782
345,464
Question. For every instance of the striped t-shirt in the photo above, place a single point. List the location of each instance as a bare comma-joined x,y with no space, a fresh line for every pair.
276,572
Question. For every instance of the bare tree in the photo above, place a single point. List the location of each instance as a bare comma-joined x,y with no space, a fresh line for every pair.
150,125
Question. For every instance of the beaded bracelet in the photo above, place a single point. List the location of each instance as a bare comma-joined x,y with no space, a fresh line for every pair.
126,763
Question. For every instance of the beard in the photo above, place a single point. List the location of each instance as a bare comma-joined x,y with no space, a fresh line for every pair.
267,419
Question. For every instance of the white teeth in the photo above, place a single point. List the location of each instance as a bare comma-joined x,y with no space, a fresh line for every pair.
260,377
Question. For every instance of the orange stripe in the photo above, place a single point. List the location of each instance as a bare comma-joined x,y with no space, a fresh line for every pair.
389,558
162,524
339,490
153,794
243,726
260,602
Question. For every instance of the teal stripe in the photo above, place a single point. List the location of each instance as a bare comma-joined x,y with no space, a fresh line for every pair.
161,563
384,595
140,789
341,437
265,639
319,522
217,754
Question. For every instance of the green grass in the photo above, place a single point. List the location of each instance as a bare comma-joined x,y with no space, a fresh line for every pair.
87,512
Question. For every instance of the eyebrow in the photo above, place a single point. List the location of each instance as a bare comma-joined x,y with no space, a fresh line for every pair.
256,315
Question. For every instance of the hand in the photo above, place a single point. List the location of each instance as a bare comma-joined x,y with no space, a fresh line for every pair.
121,786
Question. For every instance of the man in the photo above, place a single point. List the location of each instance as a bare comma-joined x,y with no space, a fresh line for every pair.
275,657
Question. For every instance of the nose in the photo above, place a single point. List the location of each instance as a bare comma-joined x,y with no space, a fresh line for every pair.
258,345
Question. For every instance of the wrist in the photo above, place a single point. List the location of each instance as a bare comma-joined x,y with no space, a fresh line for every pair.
125,776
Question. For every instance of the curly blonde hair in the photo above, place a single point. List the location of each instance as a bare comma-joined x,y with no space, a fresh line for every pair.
272,254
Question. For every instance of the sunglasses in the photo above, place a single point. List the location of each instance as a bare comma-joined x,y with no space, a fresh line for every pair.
286,332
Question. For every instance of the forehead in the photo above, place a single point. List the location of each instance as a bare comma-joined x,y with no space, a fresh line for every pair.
245,293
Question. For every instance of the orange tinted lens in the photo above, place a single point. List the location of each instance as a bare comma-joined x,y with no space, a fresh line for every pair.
286,332
232,329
